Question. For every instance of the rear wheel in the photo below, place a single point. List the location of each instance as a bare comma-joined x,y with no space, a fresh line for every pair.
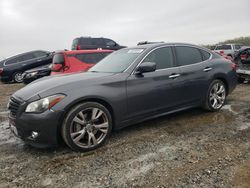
216,96
87,126
18,77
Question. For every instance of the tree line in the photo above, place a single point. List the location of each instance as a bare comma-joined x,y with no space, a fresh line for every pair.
245,41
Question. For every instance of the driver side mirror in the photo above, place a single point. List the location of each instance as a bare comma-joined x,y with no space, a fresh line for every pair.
146,67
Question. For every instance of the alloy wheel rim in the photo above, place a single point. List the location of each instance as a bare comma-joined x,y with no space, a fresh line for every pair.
89,127
19,77
217,95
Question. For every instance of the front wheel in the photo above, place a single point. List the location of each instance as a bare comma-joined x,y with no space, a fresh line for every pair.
87,126
216,96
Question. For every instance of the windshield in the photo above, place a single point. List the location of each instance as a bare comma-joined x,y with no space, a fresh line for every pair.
117,61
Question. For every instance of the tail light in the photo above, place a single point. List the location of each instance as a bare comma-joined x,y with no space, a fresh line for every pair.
221,52
1,71
57,67
78,47
234,66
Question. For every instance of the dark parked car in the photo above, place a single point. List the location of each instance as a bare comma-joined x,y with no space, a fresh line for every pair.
12,69
242,60
128,86
36,73
87,43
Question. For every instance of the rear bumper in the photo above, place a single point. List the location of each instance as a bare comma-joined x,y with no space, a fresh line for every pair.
5,79
232,81
46,124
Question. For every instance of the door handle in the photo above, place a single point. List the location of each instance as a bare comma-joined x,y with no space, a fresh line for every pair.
39,60
173,76
207,69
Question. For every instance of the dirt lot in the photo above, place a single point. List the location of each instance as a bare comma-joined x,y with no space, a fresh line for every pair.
188,149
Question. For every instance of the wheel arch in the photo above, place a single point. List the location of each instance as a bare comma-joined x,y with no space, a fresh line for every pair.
224,80
101,101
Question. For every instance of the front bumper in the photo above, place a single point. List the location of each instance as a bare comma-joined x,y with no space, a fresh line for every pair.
46,124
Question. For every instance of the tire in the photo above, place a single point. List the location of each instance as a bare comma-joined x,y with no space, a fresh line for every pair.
241,80
17,77
215,95
87,126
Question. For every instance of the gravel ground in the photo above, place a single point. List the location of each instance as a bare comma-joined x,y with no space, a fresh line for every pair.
188,149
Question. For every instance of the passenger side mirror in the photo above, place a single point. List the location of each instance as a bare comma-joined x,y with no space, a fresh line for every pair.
146,67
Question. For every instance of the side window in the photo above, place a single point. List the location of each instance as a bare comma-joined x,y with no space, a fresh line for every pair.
188,55
237,47
27,57
86,41
223,47
39,54
98,41
91,58
205,55
109,42
12,61
163,58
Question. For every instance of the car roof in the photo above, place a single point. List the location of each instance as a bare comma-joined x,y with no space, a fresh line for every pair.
84,51
154,45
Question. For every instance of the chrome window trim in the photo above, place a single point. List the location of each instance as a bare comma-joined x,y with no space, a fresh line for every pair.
169,45
135,59
201,54
21,61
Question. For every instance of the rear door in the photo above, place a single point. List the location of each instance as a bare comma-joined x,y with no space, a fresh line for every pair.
194,67
156,91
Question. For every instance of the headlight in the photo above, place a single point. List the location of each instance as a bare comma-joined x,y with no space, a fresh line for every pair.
33,74
44,104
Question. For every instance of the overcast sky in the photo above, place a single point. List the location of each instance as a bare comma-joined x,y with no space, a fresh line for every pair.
53,24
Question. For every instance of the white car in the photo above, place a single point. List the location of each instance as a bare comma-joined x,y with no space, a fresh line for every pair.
227,49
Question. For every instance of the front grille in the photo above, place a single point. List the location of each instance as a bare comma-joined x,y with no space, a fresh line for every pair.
13,106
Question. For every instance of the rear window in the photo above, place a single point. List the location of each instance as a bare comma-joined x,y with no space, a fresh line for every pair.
58,58
74,44
12,61
91,58
223,47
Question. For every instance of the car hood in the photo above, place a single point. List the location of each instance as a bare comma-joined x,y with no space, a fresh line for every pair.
58,84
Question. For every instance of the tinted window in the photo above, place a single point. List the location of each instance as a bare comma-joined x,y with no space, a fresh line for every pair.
117,61
91,58
162,57
74,44
109,42
237,47
86,41
223,47
188,55
39,54
97,41
12,61
205,55
58,58
27,57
